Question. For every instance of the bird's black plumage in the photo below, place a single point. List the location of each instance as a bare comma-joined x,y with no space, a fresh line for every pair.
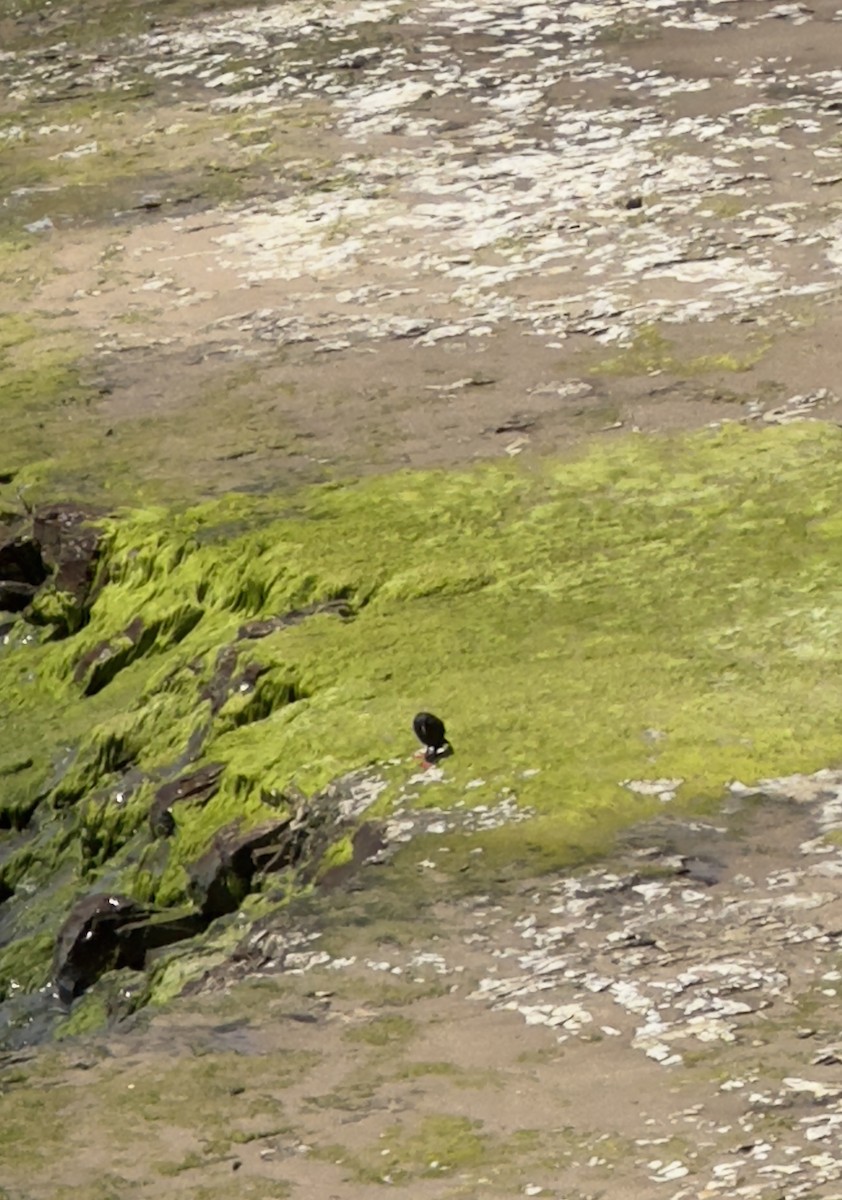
430,733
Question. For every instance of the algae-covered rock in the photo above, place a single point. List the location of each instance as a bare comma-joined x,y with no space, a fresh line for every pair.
105,932
25,964
366,845
260,629
687,586
60,547
69,540
221,879
102,662
197,786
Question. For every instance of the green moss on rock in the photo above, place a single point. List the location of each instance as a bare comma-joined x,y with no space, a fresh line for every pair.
651,352
554,614
25,964
90,1013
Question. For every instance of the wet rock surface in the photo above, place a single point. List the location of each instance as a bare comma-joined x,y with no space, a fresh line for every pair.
110,932
197,786
59,545
709,948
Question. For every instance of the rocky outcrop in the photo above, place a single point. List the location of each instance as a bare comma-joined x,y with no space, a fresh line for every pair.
222,878
99,665
107,931
58,547
197,786
69,541
260,629
22,572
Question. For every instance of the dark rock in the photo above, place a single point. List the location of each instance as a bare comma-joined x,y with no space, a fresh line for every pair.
14,596
222,877
248,677
60,548
96,668
708,871
88,943
224,682
106,659
69,542
22,571
106,932
21,561
226,679
515,424
216,691
368,844
197,786
261,629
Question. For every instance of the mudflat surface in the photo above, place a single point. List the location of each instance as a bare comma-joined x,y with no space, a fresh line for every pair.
295,241
663,1024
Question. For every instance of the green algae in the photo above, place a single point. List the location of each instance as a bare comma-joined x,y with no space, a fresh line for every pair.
62,439
44,399
89,1014
25,964
436,1146
460,1077
554,614
82,24
104,154
383,1031
650,352
41,1111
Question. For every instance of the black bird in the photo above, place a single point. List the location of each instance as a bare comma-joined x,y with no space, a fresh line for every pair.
430,733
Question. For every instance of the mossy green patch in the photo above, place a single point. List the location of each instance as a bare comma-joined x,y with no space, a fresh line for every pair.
383,1031
554,614
457,1076
43,398
89,1014
30,1109
435,1146
622,32
650,352
83,25
350,1097
25,964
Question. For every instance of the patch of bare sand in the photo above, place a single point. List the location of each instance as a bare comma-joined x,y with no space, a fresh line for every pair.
466,227
505,1044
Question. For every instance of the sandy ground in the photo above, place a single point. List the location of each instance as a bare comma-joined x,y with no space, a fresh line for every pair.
471,232
665,1024
478,231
